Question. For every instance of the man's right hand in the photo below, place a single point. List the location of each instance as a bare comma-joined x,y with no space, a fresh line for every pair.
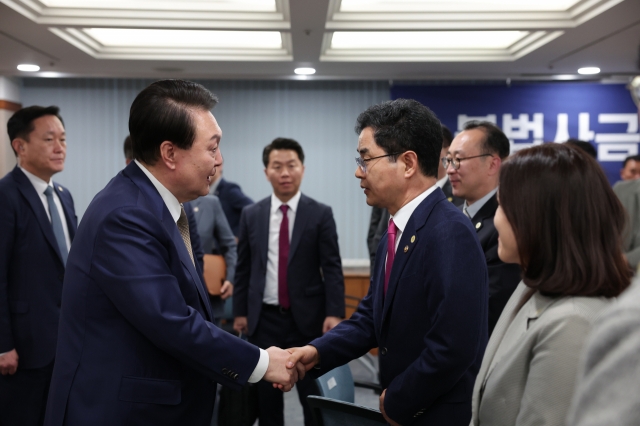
240,325
277,373
9,363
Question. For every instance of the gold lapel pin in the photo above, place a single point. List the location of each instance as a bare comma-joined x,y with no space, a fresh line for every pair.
60,189
196,209
478,225
406,249
450,199
413,238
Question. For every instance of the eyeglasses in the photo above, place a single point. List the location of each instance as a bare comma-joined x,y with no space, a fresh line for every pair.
362,162
455,162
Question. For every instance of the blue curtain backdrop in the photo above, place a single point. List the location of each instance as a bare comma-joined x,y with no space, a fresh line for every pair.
533,113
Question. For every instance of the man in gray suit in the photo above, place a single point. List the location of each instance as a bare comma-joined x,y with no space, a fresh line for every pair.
213,226
628,192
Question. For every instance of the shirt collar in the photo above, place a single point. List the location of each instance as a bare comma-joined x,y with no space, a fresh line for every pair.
475,207
39,185
442,181
170,200
292,203
402,216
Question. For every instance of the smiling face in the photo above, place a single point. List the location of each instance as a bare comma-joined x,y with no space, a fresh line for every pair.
43,152
470,180
196,166
284,171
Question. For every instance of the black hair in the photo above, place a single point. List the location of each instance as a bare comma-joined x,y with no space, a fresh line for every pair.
21,122
282,143
495,142
630,158
163,112
447,137
405,125
585,146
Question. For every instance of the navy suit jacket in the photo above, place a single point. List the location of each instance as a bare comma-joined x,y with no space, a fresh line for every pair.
314,271
136,345
431,327
233,201
503,277
31,270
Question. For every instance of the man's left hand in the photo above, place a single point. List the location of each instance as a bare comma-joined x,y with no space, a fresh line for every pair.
391,422
329,323
226,291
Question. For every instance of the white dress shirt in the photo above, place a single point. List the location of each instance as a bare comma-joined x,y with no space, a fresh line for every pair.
275,219
402,216
175,208
40,186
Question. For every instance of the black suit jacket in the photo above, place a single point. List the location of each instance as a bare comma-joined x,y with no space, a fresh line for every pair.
314,272
448,192
233,201
31,270
503,277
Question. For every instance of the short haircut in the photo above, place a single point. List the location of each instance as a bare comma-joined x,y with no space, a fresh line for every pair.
21,122
163,112
567,221
495,141
447,137
282,143
630,158
405,125
128,149
585,146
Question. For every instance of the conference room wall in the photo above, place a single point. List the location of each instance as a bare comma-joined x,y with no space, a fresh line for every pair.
320,115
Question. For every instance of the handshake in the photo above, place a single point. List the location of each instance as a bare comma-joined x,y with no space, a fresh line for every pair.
286,367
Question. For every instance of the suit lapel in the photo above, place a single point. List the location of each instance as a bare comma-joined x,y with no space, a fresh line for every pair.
264,216
488,210
299,224
29,193
416,221
159,208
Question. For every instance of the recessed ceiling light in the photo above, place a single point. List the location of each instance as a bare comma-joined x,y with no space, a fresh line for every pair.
589,70
455,6
425,39
305,71
126,37
28,67
194,5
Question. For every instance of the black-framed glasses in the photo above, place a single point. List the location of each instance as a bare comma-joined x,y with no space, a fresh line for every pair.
455,162
362,162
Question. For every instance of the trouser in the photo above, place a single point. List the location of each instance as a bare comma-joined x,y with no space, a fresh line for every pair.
23,396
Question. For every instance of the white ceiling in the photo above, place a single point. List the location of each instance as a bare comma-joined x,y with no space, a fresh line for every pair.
374,39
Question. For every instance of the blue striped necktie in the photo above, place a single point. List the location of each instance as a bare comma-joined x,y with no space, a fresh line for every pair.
56,224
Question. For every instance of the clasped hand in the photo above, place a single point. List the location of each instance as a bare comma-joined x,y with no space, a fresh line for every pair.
297,362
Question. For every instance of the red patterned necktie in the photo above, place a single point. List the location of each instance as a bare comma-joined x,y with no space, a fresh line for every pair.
391,252
283,259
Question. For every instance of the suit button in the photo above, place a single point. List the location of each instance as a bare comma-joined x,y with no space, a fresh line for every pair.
225,370
383,351
235,376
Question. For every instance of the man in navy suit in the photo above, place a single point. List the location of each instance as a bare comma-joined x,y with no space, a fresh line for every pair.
136,343
38,223
289,285
426,309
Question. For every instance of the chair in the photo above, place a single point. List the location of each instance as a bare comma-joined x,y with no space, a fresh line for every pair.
331,412
337,384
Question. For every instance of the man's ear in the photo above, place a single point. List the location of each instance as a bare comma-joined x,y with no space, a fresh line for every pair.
411,165
496,163
168,154
16,144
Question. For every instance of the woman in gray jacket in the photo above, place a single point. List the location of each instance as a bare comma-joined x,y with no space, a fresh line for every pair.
559,219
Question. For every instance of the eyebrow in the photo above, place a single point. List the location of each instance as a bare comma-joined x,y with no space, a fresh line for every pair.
362,151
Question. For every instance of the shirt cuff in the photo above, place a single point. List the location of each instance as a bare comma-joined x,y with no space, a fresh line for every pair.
261,368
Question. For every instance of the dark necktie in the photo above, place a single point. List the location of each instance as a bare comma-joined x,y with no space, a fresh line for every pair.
391,252
283,259
56,224
183,227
